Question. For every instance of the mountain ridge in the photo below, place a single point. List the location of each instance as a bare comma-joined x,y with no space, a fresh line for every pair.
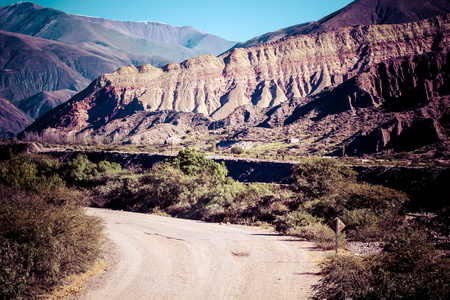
360,13
269,77
237,75
28,18
46,50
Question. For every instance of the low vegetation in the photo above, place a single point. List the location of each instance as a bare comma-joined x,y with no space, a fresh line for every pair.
408,268
45,235
53,226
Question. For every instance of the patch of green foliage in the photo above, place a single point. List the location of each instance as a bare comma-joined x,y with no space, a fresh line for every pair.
192,163
326,189
191,186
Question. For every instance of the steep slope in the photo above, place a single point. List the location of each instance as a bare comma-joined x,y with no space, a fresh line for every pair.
414,96
358,13
36,106
186,36
45,50
30,65
284,76
398,105
12,119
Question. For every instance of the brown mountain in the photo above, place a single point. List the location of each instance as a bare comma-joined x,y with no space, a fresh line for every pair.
36,106
12,119
331,85
30,65
174,43
398,105
358,13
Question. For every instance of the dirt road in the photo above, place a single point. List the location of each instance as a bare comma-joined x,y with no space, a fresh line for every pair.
154,257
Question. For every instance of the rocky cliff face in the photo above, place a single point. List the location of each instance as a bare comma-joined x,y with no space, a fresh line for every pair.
413,94
398,105
263,76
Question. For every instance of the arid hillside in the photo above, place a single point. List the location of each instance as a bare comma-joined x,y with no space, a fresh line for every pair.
332,89
359,13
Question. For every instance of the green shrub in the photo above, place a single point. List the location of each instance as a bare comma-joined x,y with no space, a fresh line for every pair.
34,171
376,197
237,150
30,172
190,162
295,219
163,186
321,176
106,166
13,275
78,170
118,192
326,207
304,225
328,189
322,235
344,277
263,203
221,203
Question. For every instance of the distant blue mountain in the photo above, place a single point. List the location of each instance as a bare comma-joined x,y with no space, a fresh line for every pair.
174,43
47,55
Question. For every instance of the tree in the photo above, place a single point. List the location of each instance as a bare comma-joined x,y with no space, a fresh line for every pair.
317,177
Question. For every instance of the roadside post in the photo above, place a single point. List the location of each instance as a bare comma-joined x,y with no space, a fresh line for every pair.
337,225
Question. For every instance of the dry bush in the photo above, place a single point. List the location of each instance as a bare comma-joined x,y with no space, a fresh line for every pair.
44,233
409,268
327,189
50,237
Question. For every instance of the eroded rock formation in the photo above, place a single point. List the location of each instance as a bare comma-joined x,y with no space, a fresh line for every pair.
263,76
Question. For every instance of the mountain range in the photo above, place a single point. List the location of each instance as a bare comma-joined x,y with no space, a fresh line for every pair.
359,13
368,78
45,50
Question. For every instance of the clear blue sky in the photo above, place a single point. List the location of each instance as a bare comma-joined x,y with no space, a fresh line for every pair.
236,20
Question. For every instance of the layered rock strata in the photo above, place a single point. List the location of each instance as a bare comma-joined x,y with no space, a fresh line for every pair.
263,76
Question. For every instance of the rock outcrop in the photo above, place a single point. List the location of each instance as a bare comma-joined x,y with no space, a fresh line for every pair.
263,76
397,105
413,95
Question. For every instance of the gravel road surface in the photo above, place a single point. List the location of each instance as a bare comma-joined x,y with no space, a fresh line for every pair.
155,257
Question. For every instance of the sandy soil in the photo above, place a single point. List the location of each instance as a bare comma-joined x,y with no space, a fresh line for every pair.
154,257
